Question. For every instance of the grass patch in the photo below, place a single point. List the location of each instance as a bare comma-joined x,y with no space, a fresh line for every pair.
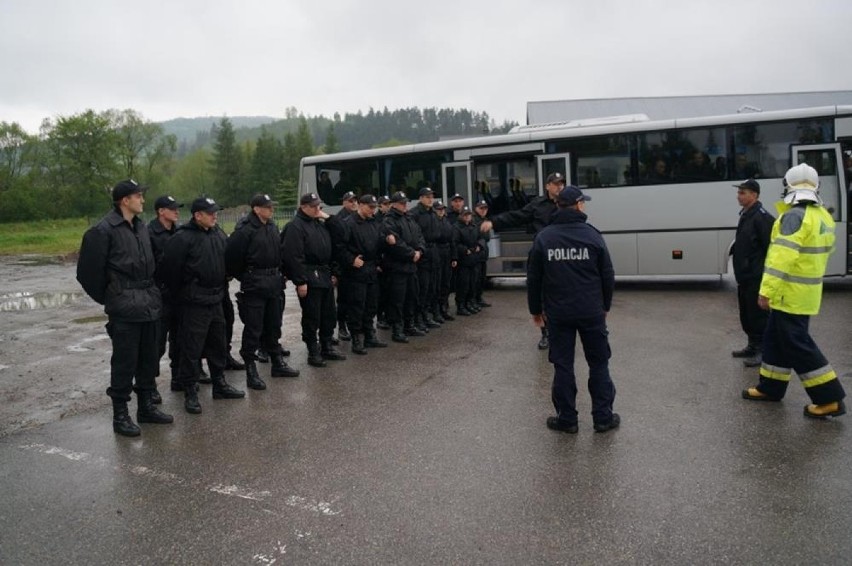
49,237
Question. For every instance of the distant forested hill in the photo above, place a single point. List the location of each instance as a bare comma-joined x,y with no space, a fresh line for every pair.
186,129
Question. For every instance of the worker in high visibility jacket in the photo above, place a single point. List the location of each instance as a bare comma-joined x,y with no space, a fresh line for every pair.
791,288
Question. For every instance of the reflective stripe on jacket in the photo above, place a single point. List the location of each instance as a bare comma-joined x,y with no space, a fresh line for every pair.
802,241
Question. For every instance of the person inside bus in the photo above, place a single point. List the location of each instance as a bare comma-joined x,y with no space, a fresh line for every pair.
324,185
744,168
659,171
698,168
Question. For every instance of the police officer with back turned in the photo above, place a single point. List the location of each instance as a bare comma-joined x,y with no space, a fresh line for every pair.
570,281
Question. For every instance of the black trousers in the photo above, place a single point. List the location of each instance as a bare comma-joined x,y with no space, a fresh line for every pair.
363,302
788,347
201,335
445,273
428,278
134,357
261,318
594,336
167,331
402,301
342,299
228,311
466,276
752,317
481,277
318,314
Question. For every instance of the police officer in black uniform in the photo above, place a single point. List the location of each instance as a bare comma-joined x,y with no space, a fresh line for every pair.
445,259
116,268
161,229
570,281
306,253
428,268
358,256
253,256
535,216
381,314
337,226
194,269
754,232
467,245
480,216
403,248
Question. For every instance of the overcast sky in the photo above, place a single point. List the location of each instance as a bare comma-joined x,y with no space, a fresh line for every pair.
169,59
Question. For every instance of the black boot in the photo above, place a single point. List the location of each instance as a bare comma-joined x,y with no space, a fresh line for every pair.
147,411
445,312
372,341
261,356
232,363
382,323
411,329
190,400
156,398
398,334
121,422
429,321
420,324
438,317
461,310
472,307
202,375
224,390
253,380
343,332
314,356
358,344
329,353
280,367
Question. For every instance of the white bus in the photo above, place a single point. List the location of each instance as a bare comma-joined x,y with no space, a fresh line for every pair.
661,191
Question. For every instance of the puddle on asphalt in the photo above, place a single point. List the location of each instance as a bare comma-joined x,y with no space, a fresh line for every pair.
90,319
39,260
27,301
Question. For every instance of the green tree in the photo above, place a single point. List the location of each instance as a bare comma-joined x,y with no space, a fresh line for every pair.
227,163
144,149
331,144
192,176
267,164
15,146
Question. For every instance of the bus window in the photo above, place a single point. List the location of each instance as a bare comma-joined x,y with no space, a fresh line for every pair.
698,152
763,150
655,158
505,185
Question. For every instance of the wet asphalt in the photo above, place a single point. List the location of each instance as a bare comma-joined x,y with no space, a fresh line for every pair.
436,453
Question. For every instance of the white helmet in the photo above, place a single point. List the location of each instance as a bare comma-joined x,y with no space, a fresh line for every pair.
801,183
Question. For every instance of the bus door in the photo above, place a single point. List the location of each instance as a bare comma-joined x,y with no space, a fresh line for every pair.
457,179
553,163
827,159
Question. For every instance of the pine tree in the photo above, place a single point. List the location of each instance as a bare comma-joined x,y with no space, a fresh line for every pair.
227,163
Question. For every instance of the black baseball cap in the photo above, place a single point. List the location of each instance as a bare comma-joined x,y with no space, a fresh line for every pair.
368,199
310,198
439,204
261,199
204,204
348,195
425,192
126,188
571,195
749,184
556,178
399,196
167,201
383,199
456,197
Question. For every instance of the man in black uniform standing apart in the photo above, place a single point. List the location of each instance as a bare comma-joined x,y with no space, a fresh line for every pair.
306,253
337,226
445,262
194,269
161,229
253,256
403,248
754,232
116,268
535,215
570,281
358,255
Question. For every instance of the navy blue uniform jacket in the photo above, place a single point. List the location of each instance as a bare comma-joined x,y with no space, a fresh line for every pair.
569,269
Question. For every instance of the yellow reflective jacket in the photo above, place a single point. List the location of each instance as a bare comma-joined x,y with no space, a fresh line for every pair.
802,240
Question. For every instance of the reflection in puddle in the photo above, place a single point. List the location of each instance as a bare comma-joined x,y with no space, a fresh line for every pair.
26,301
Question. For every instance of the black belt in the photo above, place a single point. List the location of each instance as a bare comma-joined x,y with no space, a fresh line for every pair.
143,284
311,267
264,271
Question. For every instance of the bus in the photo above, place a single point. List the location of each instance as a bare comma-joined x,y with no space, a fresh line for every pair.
661,190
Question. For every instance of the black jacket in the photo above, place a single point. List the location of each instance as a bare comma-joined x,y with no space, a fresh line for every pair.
363,236
253,256
569,269
535,216
116,268
467,244
751,243
409,239
306,252
194,265
160,236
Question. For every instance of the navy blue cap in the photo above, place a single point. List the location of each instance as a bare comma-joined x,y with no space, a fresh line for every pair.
571,195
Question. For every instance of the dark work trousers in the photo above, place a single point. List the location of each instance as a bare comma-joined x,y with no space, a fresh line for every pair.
201,335
342,299
788,347
384,293
593,334
426,279
318,314
752,317
445,271
228,312
167,332
134,357
261,318
363,301
465,281
401,303
481,276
